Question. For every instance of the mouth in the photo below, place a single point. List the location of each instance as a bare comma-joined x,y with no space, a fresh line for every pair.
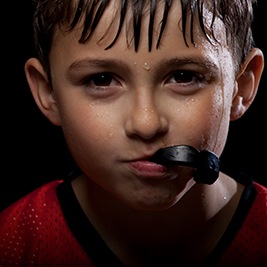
149,169
159,164
205,163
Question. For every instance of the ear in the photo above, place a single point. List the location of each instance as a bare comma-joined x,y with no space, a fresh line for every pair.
247,83
41,89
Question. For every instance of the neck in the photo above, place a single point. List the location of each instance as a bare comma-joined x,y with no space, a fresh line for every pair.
202,214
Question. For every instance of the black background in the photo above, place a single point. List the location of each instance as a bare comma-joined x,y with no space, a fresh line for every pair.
33,150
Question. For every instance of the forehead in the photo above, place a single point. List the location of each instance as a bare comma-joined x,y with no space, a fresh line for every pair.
139,19
172,42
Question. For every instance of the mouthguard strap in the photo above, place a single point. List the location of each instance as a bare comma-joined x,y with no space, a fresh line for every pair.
206,163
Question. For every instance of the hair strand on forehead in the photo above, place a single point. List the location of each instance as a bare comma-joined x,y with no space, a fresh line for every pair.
236,17
137,21
153,5
124,4
92,23
164,19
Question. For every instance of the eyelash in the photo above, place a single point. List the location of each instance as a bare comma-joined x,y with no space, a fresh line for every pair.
107,82
186,77
105,78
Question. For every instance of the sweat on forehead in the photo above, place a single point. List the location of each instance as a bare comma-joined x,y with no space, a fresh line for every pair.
236,17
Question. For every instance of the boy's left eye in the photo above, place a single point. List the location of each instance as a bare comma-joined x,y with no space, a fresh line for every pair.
186,77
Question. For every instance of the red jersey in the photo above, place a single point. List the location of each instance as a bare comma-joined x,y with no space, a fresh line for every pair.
42,230
34,233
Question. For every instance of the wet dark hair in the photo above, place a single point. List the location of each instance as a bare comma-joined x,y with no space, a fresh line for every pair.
236,15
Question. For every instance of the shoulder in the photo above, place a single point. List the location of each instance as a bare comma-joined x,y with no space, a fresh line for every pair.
258,211
30,210
254,226
262,190
249,245
33,229
34,201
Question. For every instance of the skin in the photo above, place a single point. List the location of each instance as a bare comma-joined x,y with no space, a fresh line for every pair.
113,127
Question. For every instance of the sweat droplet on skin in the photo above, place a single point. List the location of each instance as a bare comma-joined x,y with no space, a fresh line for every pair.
146,66
110,133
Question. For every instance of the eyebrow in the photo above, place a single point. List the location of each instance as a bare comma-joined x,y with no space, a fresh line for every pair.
84,64
186,60
96,63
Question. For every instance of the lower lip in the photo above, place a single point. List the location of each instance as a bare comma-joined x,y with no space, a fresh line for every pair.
149,169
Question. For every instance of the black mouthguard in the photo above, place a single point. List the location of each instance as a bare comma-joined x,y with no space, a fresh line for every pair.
206,163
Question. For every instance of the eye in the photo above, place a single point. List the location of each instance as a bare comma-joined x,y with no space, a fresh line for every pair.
104,81
187,82
102,85
186,77
101,80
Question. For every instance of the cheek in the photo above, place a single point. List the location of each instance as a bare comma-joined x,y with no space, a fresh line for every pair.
88,132
202,121
218,117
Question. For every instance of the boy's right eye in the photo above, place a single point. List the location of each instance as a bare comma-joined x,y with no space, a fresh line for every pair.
102,85
101,79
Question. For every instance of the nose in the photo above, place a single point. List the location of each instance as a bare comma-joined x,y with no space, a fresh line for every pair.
145,119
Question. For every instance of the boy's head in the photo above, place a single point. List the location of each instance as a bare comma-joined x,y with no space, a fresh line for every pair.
125,78
236,15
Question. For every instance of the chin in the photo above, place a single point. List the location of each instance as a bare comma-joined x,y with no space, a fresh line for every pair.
158,199
154,202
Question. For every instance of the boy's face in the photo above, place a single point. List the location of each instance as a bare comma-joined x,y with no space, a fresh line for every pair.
118,106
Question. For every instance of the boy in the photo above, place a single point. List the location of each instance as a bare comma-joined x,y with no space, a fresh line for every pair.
124,79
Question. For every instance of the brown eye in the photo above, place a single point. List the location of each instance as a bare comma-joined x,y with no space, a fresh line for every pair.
102,79
184,76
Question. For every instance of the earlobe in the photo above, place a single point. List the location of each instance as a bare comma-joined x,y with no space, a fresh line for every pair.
41,90
247,83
